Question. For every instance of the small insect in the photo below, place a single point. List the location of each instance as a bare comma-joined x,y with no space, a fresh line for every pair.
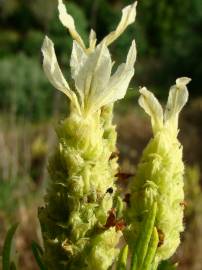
110,190
161,237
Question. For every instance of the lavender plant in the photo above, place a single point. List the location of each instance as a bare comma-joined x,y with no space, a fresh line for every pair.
80,195
159,177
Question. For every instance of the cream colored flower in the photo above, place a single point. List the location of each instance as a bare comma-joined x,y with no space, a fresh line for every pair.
178,97
128,17
91,68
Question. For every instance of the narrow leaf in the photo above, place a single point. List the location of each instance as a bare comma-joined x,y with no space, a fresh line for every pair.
166,265
153,244
140,249
38,252
7,247
122,261
134,265
155,265
13,266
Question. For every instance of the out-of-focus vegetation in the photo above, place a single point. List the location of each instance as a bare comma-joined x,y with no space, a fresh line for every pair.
169,41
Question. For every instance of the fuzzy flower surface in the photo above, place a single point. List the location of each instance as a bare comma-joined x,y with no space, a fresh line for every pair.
75,223
159,177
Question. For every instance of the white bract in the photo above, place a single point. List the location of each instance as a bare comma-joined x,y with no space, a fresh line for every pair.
178,96
91,67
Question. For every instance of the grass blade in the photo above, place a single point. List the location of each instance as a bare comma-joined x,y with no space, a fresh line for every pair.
12,266
38,252
7,247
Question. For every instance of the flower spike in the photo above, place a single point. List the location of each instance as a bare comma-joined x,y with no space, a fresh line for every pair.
159,175
74,220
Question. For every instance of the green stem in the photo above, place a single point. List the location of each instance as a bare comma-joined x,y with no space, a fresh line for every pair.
134,262
122,261
153,244
141,248
155,265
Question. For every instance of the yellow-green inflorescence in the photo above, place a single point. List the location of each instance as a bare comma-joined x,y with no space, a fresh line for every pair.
159,176
81,191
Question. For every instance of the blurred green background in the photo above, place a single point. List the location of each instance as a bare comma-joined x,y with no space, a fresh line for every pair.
169,42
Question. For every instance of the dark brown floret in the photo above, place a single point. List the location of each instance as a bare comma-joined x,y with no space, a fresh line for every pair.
161,237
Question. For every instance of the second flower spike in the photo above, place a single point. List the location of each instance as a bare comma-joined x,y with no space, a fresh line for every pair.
159,177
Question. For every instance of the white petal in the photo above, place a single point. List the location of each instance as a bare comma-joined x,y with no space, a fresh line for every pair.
118,83
68,22
128,17
183,81
93,77
152,107
178,96
78,58
131,57
92,40
52,69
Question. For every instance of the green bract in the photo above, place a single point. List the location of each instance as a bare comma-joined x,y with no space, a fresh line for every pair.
159,176
77,204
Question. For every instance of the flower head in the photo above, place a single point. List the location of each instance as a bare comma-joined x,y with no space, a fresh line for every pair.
91,67
159,175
